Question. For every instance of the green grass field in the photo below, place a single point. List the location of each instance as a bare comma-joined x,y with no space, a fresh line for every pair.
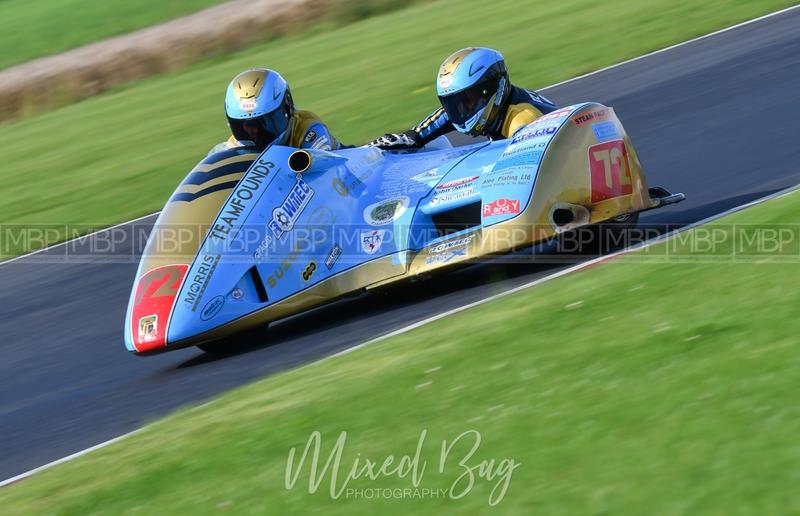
120,155
37,28
622,389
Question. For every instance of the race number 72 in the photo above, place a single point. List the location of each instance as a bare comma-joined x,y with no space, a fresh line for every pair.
610,172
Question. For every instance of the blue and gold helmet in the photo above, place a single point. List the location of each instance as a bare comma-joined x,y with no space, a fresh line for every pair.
259,106
472,85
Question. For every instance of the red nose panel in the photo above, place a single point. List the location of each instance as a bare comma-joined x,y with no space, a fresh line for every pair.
152,306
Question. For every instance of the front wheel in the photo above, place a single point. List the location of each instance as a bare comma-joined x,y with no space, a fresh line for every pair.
217,347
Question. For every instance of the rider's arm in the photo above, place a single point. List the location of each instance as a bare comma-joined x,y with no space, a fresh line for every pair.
317,136
433,126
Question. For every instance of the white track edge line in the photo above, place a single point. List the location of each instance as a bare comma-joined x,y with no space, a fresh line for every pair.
442,315
423,322
589,74
65,242
570,270
68,458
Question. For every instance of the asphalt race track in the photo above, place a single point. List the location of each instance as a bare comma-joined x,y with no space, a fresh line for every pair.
717,119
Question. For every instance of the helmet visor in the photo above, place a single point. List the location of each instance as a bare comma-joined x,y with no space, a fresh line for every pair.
262,130
464,104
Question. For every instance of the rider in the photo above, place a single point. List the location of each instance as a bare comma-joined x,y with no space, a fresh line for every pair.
477,99
261,111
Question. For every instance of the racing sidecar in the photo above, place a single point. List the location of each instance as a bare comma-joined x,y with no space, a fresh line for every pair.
250,238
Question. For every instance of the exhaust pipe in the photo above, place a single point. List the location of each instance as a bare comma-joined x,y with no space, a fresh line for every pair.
312,160
565,216
562,216
300,161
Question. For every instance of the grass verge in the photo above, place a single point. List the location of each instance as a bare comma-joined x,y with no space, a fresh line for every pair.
119,155
647,383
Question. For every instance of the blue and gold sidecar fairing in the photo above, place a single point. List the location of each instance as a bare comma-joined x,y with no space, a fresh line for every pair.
248,239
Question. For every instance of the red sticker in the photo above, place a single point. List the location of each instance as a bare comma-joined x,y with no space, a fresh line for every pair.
610,171
155,296
457,182
559,113
501,207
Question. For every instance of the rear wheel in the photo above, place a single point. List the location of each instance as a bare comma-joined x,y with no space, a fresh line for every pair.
615,234
597,239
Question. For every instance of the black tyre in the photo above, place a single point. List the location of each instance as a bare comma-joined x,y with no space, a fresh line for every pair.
217,347
598,239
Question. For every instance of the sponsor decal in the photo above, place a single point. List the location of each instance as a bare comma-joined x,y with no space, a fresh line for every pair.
445,257
605,131
248,105
426,177
456,183
310,136
523,158
212,308
243,195
451,196
153,302
542,126
445,81
610,171
386,212
197,284
452,244
263,247
322,143
527,134
599,114
501,207
280,271
514,179
525,154
148,328
285,215
309,270
371,240
555,115
526,147
454,190
333,256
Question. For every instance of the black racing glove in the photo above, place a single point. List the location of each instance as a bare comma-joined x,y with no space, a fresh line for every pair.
391,141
